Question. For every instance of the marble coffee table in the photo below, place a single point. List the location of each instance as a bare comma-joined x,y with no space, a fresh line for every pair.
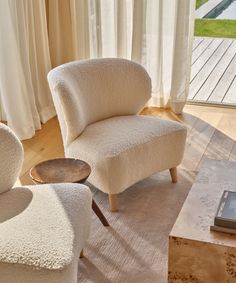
196,254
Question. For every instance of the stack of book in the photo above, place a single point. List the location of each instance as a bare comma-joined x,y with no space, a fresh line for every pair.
225,219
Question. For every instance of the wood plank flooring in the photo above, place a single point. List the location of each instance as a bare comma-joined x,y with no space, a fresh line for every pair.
213,72
211,134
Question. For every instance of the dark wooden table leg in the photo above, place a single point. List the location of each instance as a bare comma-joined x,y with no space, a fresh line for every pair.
99,213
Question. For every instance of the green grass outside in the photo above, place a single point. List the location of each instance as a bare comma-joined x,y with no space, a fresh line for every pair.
200,3
215,28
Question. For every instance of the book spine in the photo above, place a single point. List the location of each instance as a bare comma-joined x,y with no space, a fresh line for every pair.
224,223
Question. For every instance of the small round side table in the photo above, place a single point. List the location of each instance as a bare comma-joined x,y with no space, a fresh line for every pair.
65,170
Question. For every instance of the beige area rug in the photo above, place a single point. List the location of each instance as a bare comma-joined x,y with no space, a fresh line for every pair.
134,249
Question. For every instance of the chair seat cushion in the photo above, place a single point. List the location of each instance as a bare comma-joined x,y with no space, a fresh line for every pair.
44,226
123,150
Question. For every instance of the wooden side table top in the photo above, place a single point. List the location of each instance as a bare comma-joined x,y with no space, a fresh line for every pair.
60,170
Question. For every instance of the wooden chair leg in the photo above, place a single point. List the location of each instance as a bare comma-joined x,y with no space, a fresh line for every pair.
173,174
81,254
99,213
113,202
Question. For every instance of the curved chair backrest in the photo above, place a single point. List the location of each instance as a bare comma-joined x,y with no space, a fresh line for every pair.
87,91
11,154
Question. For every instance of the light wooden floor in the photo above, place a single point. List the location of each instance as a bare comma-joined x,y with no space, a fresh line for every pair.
211,133
213,73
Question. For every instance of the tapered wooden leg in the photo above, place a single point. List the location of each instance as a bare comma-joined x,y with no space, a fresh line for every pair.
99,213
81,254
173,174
113,202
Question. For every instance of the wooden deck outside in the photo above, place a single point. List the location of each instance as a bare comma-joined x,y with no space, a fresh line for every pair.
213,74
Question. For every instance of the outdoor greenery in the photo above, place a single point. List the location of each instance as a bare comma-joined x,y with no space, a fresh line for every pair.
200,3
215,28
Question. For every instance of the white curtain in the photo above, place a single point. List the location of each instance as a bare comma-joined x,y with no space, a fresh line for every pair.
24,64
155,33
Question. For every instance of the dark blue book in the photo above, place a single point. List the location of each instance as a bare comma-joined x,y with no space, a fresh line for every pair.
226,212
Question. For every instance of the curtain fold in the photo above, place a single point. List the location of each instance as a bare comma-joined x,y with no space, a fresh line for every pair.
80,28
39,57
38,35
122,29
139,32
60,31
184,32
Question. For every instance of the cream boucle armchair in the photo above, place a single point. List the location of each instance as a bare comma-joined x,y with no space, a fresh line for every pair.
42,228
97,102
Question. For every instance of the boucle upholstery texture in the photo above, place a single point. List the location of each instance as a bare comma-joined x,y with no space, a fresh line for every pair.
11,158
97,103
43,228
125,149
91,90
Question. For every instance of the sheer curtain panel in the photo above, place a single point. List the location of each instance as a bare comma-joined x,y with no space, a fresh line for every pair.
24,64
